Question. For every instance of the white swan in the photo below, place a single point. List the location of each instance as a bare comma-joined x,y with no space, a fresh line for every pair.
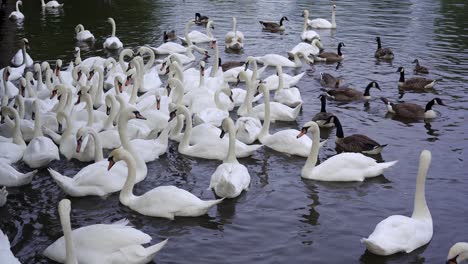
185,59
290,96
82,34
12,151
40,150
111,243
398,233
278,111
51,4
112,42
17,15
307,35
196,37
234,39
230,177
323,23
3,199
169,48
7,88
214,115
150,149
6,256
162,201
341,167
151,80
247,126
306,48
458,253
17,60
10,177
275,59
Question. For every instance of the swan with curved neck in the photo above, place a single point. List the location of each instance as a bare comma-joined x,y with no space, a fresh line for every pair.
82,34
12,151
307,35
458,253
196,37
112,42
399,233
291,96
323,23
341,167
162,201
110,243
17,15
231,177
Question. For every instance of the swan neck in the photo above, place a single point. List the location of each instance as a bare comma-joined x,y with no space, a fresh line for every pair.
266,120
312,158
37,121
89,108
67,234
17,6
20,101
217,101
402,77
420,206
304,27
108,124
187,39
280,78
23,51
126,195
98,155
150,62
100,90
17,138
333,18
297,61
113,28
188,126
231,157
214,70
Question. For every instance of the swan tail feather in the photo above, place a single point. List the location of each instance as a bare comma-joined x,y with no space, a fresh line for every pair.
373,246
4,242
297,109
65,183
27,177
211,203
152,250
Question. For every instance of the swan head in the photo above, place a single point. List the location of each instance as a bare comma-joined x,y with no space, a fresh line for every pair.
79,28
130,78
202,68
210,24
6,73
26,42
81,135
76,52
22,86
172,111
118,83
457,253
133,113
305,13
58,67
227,122
213,44
309,125
110,20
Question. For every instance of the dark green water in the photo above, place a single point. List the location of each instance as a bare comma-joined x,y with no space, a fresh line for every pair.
281,218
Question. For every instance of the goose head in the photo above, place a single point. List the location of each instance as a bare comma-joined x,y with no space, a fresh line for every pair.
400,69
341,44
309,125
373,84
416,61
284,18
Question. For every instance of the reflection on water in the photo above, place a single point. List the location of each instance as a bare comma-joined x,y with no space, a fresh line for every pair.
304,220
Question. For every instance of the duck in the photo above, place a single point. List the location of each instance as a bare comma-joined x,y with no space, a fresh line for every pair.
169,36
332,56
287,96
350,94
17,15
112,42
51,4
284,141
343,167
322,117
3,198
398,233
200,20
307,35
10,177
413,111
458,253
13,151
323,23
82,34
231,177
6,256
234,39
418,68
383,53
354,143
117,242
162,201
273,26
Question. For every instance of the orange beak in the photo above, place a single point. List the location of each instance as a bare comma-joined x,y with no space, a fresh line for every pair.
111,164
53,94
301,133
78,145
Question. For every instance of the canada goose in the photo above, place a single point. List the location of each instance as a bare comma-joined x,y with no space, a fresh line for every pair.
328,80
418,68
322,117
200,20
354,143
349,94
273,26
383,53
413,111
332,56
230,64
415,83
169,36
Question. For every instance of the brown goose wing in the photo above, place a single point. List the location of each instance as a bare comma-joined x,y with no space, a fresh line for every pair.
231,64
345,94
416,83
358,143
383,52
409,110
270,24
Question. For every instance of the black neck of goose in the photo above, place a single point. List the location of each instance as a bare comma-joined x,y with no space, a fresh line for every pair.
339,50
366,91
281,21
323,107
379,45
429,105
402,77
339,128
417,63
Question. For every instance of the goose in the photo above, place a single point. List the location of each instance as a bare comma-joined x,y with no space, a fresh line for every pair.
458,253
307,35
51,4
208,147
112,42
169,36
200,20
342,167
82,34
398,233
383,53
230,178
17,60
111,243
275,59
273,26
328,80
323,23
356,142
284,141
415,83
12,151
6,256
307,49
214,115
225,66
418,68
196,37
40,150
322,117
3,198
234,39
17,15
332,56
10,177
413,111
350,94
162,201
290,96
94,179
